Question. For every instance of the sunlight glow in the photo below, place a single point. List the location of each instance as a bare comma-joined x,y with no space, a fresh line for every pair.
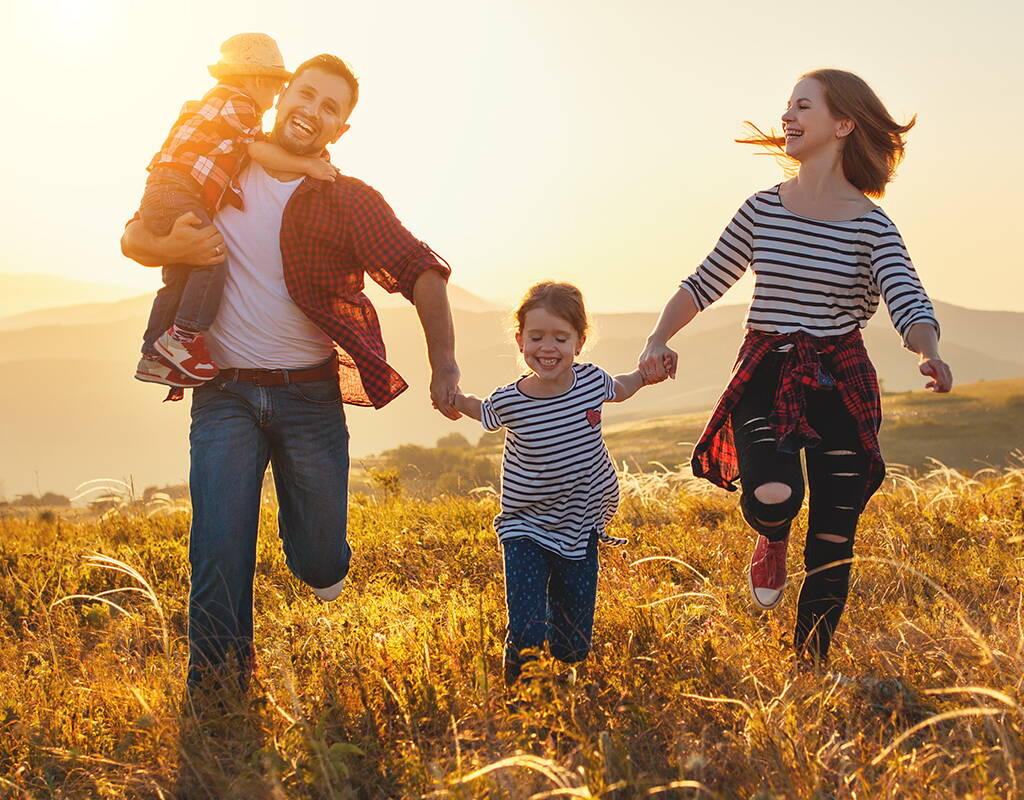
536,140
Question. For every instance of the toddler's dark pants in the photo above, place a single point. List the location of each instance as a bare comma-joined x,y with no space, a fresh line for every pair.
190,295
550,599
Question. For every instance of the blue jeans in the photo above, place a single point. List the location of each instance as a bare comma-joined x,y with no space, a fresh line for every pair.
237,429
190,295
550,599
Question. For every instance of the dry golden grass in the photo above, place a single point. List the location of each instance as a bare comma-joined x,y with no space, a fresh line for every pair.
394,690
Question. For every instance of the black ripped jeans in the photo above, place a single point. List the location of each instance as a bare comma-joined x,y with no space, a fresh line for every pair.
837,476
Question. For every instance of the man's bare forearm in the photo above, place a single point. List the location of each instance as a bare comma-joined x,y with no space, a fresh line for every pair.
430,296
140,245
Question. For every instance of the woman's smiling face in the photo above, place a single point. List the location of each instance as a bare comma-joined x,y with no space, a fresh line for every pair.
808,124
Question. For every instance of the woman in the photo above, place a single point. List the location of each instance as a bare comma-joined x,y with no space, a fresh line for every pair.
822,254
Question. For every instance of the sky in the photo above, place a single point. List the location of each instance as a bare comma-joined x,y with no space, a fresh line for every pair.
581,141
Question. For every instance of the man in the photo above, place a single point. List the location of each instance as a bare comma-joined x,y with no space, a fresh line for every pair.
295,337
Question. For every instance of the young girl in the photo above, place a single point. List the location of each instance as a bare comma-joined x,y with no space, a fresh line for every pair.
822,254
558,485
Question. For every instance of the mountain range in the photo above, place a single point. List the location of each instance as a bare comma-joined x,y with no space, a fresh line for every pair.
70,410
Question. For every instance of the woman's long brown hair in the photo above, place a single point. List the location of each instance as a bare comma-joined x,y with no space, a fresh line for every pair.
872,150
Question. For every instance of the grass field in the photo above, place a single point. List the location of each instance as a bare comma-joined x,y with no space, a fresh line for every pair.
394,690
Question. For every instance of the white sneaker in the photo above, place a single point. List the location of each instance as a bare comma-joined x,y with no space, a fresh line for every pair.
192,358
329,593
155,370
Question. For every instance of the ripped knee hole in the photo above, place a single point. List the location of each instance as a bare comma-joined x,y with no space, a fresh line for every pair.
773,493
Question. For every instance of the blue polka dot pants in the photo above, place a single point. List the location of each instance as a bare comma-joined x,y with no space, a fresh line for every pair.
550,599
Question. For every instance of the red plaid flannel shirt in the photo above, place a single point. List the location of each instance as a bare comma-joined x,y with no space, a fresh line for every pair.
846,361
331,235
209,142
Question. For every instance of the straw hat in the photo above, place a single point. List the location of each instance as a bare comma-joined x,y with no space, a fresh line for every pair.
249,54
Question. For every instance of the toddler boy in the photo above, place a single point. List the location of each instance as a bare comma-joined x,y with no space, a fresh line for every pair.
196,170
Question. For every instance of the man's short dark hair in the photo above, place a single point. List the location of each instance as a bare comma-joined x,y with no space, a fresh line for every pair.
334,66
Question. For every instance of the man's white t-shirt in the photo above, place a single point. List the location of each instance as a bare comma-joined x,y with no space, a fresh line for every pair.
258,325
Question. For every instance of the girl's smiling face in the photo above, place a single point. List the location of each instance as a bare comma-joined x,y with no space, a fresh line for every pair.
549,345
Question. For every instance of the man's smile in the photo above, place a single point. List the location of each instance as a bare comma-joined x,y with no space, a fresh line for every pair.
301,127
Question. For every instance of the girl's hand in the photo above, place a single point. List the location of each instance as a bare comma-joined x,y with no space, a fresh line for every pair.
321,169
657,362
939,372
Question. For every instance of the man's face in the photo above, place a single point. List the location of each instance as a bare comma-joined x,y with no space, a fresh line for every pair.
311,112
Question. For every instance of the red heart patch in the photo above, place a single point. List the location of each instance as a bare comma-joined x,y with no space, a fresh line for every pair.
594,417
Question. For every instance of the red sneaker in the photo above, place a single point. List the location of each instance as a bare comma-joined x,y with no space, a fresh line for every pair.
192,358
156,370
767,574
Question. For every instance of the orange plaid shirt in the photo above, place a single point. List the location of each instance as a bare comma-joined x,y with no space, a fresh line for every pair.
209,141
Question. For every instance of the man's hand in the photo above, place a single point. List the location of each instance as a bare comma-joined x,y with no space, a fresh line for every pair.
444,386
189,242
939,372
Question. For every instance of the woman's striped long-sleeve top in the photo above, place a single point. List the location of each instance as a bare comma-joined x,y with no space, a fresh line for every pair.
822,277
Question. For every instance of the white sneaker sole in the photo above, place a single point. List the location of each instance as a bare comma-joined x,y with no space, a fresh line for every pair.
757,600
149,377
329,593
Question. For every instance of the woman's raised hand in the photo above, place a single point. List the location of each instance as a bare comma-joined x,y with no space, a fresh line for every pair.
657,362
939,372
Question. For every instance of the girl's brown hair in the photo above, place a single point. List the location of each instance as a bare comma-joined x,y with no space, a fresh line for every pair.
872,150
561,299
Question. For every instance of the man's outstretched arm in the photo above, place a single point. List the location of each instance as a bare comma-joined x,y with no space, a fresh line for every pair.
430,296
187,243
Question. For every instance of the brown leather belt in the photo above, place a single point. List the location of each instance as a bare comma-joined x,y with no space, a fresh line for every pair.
279,377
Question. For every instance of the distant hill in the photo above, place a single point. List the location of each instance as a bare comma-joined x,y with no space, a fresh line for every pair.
137,307
26,292
132,308
76,413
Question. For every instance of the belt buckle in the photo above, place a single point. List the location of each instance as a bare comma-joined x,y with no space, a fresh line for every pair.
266,377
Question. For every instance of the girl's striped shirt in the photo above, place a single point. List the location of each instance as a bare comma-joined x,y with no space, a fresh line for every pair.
822,277
558,484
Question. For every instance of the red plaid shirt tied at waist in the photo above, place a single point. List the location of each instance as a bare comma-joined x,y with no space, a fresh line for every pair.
209,141
806,367
332,234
